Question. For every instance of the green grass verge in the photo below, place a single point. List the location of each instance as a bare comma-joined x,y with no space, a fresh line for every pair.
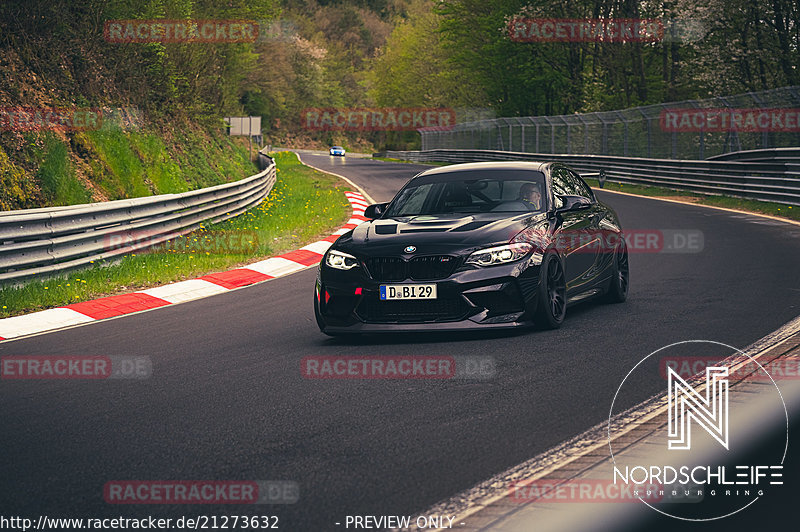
132,164
780,210
303,206
42,169
56,174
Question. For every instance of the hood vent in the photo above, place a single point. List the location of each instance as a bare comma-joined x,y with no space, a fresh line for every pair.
384,229
471,226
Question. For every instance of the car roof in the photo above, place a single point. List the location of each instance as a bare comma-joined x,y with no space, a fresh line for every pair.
492,165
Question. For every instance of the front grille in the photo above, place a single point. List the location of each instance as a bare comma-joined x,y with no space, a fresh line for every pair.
431,268
428,268
373,310
386,268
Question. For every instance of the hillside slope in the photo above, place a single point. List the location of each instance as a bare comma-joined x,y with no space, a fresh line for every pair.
125,120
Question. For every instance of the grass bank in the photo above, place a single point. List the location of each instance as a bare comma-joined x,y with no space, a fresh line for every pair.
304,205
48,168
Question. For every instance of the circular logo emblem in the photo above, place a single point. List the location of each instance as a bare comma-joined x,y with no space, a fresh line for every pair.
410,249
700,461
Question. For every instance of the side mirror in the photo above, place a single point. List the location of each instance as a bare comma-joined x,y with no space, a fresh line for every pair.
375,210
572,203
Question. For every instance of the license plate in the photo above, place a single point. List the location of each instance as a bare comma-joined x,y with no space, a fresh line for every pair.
390,292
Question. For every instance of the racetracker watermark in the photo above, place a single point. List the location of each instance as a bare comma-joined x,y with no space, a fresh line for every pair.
784,368
781,119
583,490
276,31
50,119
201,492
522,29
124,118
606,240
376,119
83,367
398,367
203,242
180,31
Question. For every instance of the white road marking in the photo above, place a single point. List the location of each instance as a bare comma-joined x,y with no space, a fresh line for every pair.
185,290
53,318
276,266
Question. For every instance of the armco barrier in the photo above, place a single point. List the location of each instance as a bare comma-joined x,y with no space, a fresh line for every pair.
776,178
47,241
786,155
650,131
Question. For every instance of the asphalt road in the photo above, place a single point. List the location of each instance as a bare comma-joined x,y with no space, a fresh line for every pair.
226,400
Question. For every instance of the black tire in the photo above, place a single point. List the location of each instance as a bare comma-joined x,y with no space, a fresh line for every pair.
620,275
552,299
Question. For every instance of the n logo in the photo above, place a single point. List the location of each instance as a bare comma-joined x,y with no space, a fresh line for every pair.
710,412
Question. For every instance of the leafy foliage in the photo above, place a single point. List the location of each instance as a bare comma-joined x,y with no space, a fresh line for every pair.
709,47
355,53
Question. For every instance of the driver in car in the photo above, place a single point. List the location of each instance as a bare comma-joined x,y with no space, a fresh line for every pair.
531,195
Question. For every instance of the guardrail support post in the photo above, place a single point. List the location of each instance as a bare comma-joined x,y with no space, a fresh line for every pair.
702,144
674,145
569,138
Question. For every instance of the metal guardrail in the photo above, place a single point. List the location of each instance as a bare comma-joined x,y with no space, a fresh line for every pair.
777,181
787,155
632,132
48,241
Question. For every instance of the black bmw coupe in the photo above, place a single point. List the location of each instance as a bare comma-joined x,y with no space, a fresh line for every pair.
474,246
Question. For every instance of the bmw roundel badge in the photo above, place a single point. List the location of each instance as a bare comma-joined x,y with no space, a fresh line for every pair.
410,249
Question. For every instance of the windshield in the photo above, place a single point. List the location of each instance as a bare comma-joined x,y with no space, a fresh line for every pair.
515,193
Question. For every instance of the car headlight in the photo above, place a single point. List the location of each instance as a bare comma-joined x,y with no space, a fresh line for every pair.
340,260
499,254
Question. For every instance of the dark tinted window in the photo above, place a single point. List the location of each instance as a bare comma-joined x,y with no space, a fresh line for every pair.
471,192
561,185
566,182
579,185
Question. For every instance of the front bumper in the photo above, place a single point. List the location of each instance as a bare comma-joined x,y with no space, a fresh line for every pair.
497,297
